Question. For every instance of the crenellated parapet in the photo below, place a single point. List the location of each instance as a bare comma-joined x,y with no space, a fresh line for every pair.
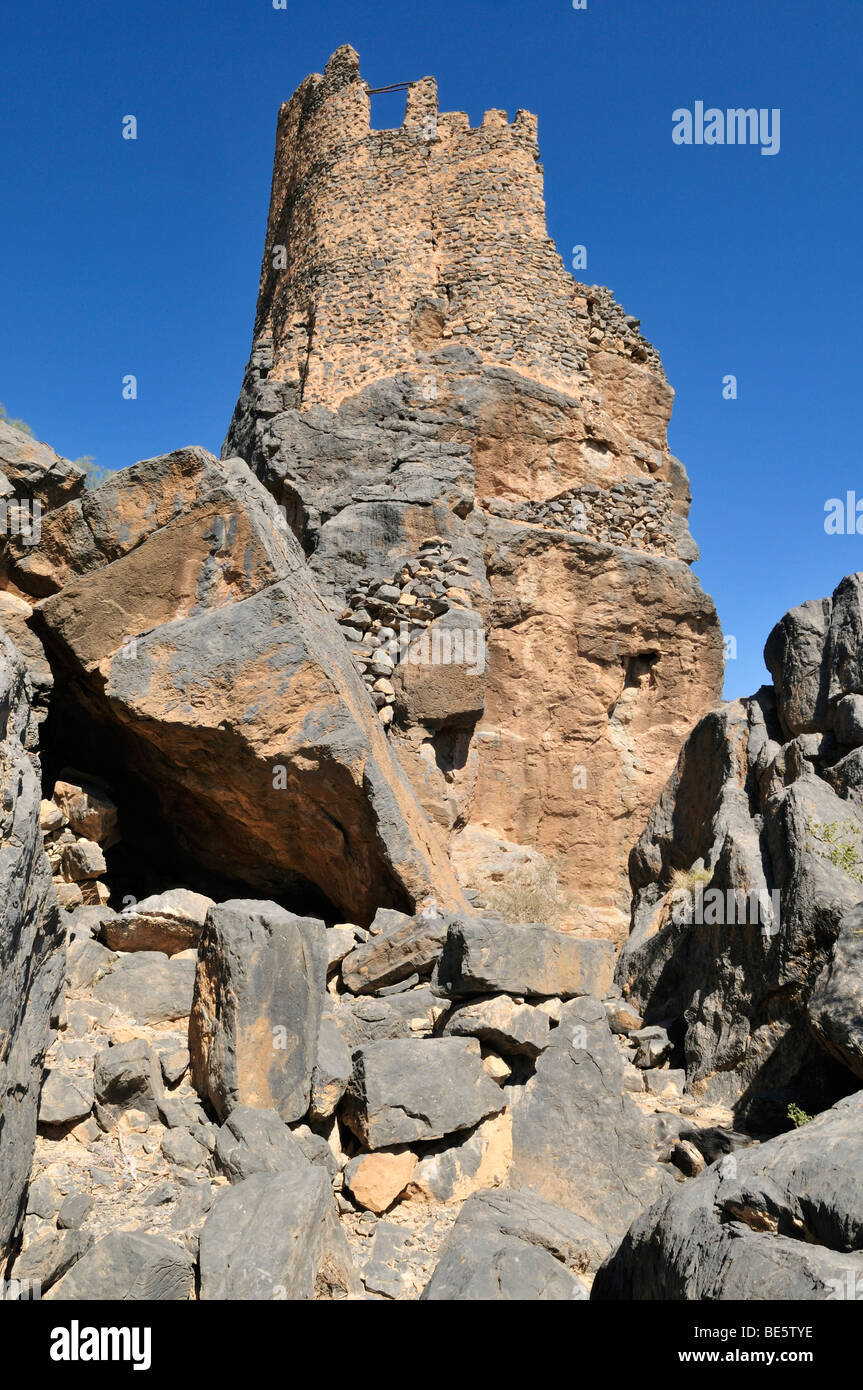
385,244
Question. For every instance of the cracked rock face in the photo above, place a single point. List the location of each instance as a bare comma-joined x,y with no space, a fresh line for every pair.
187,629
763,819
32,946
782,1220
454,426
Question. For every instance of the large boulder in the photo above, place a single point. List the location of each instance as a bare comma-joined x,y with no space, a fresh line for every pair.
794,656
256,1014
147,986
484,956
168,922
276,1236
782,1220
515,1246
403,1090
411,1013
32,947
129,1266
501,1023
182,616
578,1139
255,1141
128,1077
407,948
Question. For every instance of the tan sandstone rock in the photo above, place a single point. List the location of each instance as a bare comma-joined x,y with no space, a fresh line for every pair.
200,650
376,1180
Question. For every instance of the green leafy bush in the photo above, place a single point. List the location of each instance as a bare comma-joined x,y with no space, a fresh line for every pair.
797,1116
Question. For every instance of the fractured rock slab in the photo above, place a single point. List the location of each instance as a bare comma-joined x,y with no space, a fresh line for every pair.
485,956
176,597
404,1090
578,1139
132,1266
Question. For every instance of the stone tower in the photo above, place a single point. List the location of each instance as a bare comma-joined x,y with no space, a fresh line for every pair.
471,447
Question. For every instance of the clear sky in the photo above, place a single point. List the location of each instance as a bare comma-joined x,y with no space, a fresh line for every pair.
143,256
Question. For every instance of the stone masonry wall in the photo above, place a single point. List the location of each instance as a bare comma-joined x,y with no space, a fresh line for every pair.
383,243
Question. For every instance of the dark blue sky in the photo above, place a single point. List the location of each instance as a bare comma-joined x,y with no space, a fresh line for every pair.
143,257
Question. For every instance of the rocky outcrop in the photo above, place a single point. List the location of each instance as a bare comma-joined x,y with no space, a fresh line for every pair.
31,947
442,615
189,635
30,471
783,1220
747,880
835,1006
472,448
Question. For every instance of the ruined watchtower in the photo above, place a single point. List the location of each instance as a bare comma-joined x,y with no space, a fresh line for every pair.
464,436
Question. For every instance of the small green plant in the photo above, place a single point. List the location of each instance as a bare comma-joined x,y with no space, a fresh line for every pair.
16,424
798,1116
96,474
839,842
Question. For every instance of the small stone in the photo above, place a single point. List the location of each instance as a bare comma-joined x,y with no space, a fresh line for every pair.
51,817
181,1148
82,860
376,1180
688,1158
134,1121
174,1064
665,1081
496,1068
633,1079
69,895
90,811
74,1211
43,1198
